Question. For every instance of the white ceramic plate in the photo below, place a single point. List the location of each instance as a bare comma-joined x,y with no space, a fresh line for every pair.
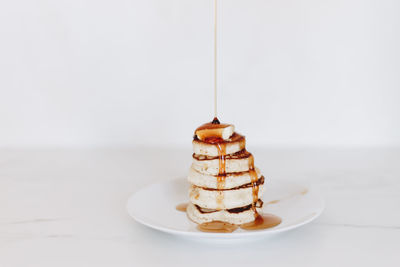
154,206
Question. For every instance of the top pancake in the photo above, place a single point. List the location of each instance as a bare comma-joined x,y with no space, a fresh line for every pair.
232,145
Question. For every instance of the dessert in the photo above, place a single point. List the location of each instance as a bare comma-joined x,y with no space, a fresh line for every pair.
225,187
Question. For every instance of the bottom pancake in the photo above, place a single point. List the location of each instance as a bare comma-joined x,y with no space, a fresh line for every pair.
196,215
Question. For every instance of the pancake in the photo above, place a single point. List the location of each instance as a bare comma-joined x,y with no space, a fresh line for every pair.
234,144
223,199
195,214
211,181
211,166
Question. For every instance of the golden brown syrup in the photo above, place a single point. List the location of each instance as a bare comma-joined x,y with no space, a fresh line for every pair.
254,185
264,221
221,172
221,155
217,227
182,207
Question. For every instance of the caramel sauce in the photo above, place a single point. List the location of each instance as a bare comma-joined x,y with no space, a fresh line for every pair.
254,185
221,173
217,227
264,221
261,222
222,162
182,207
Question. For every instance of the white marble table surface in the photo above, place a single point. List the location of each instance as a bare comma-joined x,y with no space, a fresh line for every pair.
67,208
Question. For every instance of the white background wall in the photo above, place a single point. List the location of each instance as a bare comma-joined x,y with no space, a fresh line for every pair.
128,72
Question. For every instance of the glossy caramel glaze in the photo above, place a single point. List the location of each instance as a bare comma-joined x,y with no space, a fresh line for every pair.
255,186
264,221
217,227
182,207
221,172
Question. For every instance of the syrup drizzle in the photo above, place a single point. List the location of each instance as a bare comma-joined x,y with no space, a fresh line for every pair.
254,185
221,173
264,221
182,207
217,227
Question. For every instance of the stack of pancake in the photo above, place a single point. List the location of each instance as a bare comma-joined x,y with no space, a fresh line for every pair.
225,185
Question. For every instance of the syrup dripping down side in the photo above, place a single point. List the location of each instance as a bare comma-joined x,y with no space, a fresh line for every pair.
264,221
217,227
254,185
221,172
